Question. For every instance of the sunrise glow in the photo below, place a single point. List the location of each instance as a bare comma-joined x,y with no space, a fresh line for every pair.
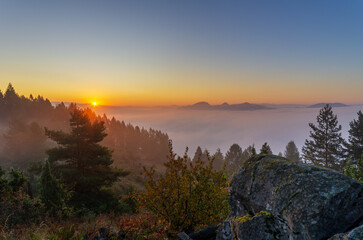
249,52
105,99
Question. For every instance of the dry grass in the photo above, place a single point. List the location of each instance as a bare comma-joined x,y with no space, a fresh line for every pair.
135,226
60,230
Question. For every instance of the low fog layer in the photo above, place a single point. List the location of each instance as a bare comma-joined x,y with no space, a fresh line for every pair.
220,129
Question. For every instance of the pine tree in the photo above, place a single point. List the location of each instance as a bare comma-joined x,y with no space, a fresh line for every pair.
291,152
51,193
265,149
85,165
253,151
11,98
218,160
355,145
233,159
10,92
198,153
326,147
249,152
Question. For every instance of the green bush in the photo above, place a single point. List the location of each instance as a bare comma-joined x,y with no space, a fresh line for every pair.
355,171
16,206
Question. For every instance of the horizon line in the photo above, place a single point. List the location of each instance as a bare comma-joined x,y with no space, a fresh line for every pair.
176,105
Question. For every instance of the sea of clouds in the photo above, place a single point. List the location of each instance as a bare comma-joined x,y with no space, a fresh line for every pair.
220,129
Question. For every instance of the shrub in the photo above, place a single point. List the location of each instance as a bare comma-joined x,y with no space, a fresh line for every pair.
128,204
16,206
354,171
189,195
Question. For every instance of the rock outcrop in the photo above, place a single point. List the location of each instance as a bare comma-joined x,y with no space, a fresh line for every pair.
355,234
273,198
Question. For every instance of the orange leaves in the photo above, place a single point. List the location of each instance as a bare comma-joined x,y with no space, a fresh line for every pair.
143,226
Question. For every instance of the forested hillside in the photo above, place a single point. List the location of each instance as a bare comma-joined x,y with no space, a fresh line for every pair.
23,143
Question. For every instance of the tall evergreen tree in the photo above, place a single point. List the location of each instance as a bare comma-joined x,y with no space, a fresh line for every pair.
218,160
265,149
249,152
10,93
233,159
85,165
355,145
253,151
198,153
326,147
51,193
291,152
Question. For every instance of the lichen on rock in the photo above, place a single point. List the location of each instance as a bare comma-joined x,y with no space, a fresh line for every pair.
304,201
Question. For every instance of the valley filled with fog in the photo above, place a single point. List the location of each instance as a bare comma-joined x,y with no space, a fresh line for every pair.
220,129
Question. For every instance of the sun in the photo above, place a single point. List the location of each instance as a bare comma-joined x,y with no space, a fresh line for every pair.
94,103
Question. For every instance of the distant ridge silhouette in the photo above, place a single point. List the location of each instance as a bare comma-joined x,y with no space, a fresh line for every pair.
225,106
320,105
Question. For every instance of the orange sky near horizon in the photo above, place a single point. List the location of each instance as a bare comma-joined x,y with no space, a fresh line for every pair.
159,93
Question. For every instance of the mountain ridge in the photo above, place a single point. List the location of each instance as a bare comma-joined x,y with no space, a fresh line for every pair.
321,105
225,106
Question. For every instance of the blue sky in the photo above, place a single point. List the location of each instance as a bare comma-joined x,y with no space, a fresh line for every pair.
178,52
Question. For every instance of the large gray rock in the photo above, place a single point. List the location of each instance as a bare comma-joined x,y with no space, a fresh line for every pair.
261,226
355,234
313,202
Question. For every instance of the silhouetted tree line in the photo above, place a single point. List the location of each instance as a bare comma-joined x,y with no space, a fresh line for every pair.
22,140
233,159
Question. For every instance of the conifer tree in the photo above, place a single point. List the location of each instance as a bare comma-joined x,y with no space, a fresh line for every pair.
51,193
265,149
85,165
291,152
253,151
10,92
218,160
326,147
355,145
11,98
198,153
249,152
233,159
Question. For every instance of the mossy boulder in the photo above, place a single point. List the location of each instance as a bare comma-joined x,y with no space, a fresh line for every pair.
260,226
355,234
313,202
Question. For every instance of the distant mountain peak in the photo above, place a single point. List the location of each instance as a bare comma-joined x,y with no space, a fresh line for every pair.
321,105
201,104
225,106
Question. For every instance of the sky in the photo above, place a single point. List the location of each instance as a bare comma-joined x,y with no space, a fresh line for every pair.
145,53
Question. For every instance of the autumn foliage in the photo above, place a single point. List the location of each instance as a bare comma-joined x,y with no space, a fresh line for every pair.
188,196
143,226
